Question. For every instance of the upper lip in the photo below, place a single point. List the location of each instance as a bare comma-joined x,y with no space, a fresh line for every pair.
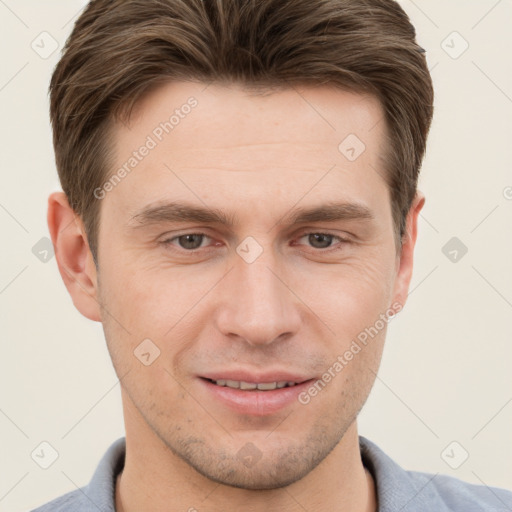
256,377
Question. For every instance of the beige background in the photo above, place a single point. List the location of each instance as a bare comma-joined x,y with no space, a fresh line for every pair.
446,373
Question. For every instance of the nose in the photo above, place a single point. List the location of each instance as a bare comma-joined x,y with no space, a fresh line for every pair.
256,303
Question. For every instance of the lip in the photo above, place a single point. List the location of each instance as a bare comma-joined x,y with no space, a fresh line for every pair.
254,402
240,375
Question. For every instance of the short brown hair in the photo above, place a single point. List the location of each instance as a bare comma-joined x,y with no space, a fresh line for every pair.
119,49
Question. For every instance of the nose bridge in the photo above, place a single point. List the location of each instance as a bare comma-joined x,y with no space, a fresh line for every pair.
258,306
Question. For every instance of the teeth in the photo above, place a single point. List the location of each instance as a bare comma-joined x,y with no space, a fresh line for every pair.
248,386
267,386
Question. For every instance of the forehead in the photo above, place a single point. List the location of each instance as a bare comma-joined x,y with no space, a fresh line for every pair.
192,116
205,141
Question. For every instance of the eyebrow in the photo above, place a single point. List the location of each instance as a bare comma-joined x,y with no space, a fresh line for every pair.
185,212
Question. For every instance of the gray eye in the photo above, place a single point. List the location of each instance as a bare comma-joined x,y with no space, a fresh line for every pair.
191,242
320,240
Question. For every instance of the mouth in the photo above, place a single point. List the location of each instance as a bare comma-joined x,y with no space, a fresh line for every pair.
252,386
256,396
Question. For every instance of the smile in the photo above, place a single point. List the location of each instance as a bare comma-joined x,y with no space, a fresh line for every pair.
249,386
261,398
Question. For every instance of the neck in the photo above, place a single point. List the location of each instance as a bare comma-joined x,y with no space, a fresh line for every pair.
153,478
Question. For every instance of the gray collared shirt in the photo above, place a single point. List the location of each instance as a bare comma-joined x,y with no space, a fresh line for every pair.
397,490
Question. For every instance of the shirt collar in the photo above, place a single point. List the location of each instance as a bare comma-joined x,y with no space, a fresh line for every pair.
397,489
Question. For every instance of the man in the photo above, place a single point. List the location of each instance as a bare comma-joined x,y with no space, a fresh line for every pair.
240,211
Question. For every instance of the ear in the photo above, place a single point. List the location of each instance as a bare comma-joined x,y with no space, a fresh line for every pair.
406,257
74,258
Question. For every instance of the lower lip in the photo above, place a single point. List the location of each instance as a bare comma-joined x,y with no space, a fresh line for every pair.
255,402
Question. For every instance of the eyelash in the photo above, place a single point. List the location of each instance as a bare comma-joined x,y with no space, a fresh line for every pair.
341,240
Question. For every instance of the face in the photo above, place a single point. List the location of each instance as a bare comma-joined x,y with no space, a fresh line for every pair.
274,284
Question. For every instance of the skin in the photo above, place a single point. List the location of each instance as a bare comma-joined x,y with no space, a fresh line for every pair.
296,308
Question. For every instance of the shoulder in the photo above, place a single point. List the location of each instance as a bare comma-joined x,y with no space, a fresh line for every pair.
458,495
99,494
71,502
414,491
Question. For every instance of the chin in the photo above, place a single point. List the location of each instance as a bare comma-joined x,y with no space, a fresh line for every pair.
250,468
266,476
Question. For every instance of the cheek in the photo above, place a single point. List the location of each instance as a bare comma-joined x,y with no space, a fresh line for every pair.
348,297
149,301
159,300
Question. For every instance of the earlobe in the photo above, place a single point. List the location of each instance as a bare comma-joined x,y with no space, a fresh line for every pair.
405,267
74,258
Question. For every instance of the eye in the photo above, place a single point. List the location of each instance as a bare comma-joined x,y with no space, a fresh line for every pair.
322,240
192,242
188,242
